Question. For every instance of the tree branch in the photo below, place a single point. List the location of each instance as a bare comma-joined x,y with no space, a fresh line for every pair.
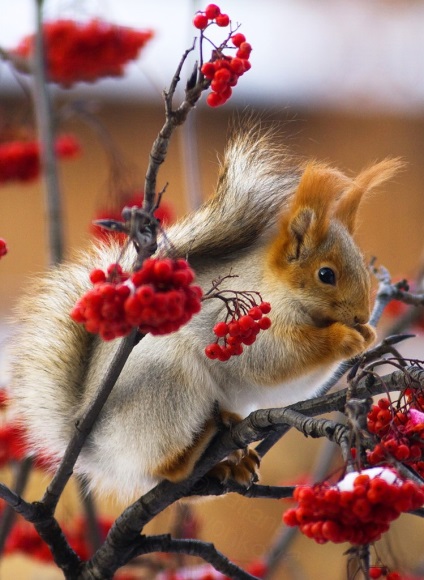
86,422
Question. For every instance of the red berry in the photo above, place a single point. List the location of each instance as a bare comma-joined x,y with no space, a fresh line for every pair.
375,572
238,38
200,21
402,453
208,69
212,350
215,100
223,75
265,307
246,322
97,276
224,354
237,66
221,329
383,403
255,313
244,50
393,576
212,11
264,323
222,20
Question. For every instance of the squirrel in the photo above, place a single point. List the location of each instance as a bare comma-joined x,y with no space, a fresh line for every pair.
286,229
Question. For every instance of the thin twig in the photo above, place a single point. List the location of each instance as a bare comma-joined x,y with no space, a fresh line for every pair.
44,118
174,118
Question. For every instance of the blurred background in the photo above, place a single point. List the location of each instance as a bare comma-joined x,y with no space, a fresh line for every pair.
343,80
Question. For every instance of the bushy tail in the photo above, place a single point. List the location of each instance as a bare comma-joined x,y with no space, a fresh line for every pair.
48,352
255,180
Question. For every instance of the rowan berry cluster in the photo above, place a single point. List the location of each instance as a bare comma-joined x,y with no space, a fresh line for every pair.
20,160
241,328
400,434
159,298
359,509
221,70
88,51
3,248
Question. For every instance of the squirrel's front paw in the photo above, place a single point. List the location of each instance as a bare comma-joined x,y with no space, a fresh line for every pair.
240,466
368,333
356,340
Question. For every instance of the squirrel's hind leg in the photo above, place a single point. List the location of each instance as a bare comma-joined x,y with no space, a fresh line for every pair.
241,465
179,466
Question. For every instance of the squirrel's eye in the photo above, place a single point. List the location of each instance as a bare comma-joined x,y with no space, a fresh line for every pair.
327,276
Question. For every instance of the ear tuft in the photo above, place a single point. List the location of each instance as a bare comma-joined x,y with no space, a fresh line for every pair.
370,178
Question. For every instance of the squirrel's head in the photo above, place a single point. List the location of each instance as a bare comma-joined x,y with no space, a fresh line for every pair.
314,253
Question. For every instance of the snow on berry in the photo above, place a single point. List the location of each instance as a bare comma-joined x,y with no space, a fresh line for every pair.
159,298
358,509
86,51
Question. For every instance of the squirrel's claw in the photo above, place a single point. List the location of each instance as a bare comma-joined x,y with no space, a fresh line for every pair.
241,466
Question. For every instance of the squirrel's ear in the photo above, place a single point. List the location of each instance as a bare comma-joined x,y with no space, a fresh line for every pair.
347,207
317,191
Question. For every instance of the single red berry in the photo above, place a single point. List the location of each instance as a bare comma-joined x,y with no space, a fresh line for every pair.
221,329
212,11
224,354
212,350
237,66
383,403
264,323
246,322
200,21
97,276
222,20
208,69
222,75
238,38
255,312
244,50
219,85
215,100
402,453
265,307
375,572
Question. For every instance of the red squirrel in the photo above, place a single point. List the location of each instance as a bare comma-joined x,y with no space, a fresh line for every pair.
286,230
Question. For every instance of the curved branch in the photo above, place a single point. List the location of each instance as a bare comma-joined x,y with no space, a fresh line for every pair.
204,550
